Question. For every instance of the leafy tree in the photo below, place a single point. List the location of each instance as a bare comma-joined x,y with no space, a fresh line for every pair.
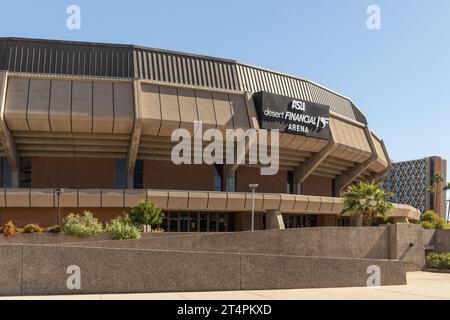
368,200
146,213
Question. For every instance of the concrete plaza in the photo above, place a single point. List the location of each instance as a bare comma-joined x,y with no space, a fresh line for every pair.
421,286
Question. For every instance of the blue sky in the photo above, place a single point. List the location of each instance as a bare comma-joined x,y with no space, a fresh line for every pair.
399,76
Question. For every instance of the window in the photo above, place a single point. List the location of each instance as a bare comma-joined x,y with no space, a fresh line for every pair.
121,175
138,176
290,182
218,177
25,172
6,174
218,174
232,183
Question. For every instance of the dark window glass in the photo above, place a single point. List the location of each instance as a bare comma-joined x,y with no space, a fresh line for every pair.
165,222
173,222
121,175
25,172
6,174
138,177
232,183
193,222
222,222
184,222
290,182
230,223
212,222
217,178
203,222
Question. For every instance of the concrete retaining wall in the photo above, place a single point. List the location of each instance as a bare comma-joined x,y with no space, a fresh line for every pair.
437,240
321,241
37,270
407,244
54,238
398,241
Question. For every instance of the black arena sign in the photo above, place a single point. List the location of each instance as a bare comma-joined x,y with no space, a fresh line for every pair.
294,116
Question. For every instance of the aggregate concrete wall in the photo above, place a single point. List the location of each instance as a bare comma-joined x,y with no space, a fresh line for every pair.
438,240
54,238
39,270
396,242
371,243
407,244
49,238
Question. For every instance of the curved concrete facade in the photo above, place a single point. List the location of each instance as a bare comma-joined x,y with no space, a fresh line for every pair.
81,100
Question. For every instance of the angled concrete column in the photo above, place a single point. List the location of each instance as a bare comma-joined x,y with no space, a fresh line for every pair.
374,178
5,136
274,220
135,135
305,169
344,180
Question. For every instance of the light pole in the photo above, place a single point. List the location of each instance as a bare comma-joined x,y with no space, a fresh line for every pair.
253,187
58,193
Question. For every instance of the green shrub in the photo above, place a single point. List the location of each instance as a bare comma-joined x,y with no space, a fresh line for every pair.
438,260
82,226
54,229
32,228
123,228
145,213
8,229
430,220
427,225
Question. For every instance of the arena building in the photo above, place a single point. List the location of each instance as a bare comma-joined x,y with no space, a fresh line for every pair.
97,119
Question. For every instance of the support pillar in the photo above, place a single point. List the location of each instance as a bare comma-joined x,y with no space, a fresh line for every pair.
274,220
6,138
135,135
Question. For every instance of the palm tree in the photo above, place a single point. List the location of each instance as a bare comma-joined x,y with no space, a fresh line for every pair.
435,180
368,200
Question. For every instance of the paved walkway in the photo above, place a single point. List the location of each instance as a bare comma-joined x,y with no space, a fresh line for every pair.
421,285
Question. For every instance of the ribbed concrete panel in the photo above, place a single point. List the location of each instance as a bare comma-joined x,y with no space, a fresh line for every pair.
151,109
18,198
60,106
119,61
381,163
205,109
223,111
254,79
103,107
42,198
123,108
351,141
62,57
188,108
112,198
239,111
89,198
170,112
16,104
182,200
82,106
38,105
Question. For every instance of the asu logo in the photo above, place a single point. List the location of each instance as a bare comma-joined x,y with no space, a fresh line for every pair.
298,105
